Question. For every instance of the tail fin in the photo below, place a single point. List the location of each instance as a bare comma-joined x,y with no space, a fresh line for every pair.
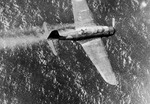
50,41
54,35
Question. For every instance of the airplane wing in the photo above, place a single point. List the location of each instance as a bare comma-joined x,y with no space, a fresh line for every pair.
94,48
82,14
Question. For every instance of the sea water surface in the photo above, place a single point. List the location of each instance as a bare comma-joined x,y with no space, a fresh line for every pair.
31,74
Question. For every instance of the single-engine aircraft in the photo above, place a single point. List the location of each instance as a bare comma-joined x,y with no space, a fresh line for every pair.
88,34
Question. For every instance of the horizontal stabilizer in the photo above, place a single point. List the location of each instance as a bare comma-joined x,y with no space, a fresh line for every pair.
46,32
50,41
52,45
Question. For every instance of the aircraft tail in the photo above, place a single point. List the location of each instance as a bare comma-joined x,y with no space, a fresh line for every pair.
50,41
54,35
52,44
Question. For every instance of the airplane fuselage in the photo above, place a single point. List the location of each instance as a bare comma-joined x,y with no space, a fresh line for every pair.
82,33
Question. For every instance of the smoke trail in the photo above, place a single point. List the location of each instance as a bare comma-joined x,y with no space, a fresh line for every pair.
16,37
20,39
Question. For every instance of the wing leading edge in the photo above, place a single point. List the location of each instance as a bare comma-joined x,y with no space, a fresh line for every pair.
82,14
96,52
94,48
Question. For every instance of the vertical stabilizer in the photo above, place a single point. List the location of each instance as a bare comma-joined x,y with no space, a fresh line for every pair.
50,41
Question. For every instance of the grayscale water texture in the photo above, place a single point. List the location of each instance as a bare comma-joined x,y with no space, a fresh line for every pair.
31,74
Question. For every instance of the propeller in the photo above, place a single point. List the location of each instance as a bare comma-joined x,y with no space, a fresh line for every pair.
113,22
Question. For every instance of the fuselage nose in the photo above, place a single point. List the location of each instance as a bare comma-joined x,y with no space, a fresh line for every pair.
112,30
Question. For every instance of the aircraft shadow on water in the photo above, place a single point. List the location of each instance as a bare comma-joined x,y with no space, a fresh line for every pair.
88,34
